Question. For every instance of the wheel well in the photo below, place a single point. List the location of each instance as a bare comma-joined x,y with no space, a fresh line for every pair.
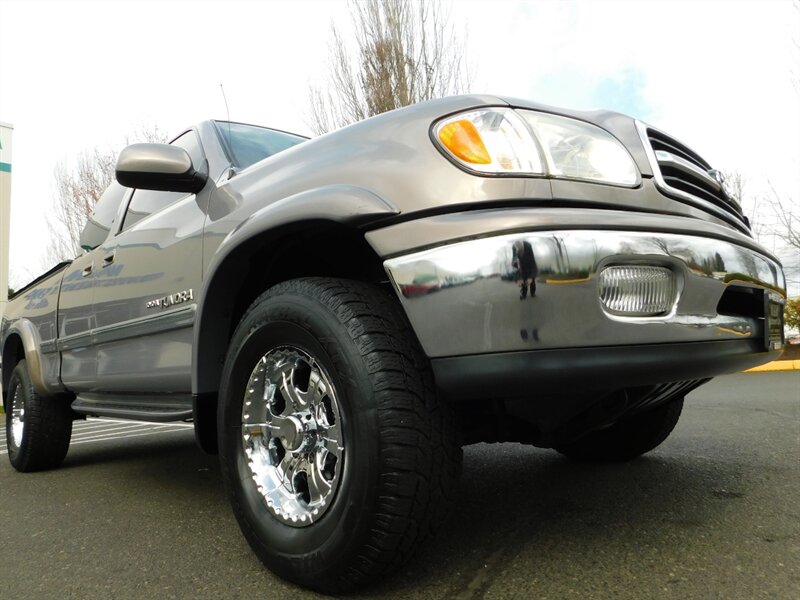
13,352
316,249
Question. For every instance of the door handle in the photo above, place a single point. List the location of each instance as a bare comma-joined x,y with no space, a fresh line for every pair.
87,270
108,259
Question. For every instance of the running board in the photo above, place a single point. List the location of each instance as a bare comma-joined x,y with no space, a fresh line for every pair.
139,408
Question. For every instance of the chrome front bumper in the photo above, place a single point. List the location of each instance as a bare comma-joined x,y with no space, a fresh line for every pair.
465,298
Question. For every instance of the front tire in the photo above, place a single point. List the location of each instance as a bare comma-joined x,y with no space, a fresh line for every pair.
38,429
627,438
336,453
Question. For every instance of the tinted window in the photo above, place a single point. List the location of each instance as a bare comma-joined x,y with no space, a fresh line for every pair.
99,222
249,144
146,202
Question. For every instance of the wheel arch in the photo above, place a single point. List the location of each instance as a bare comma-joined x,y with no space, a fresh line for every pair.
316,233
13,352
22,341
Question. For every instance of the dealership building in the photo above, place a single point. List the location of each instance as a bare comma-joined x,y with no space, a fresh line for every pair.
5,210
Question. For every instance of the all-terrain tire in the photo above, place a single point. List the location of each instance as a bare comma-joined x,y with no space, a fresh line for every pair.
627,438
38,429
396,475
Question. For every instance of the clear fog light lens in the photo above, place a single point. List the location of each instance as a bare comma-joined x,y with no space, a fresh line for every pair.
637,291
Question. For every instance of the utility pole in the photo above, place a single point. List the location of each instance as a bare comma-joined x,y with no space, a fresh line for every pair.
5,210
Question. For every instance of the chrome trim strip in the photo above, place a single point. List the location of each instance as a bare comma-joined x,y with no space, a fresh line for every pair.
150,325
684,165
728,216
538,290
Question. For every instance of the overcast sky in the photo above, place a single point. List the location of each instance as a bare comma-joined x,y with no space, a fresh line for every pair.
74,75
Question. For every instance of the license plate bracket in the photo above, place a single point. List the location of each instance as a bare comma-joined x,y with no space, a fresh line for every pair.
773,323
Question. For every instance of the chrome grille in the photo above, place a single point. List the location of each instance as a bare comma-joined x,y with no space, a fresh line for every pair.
683,174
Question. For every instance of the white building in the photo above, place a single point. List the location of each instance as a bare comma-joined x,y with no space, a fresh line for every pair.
5,210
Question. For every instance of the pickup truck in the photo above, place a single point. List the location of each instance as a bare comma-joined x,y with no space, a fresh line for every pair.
339,316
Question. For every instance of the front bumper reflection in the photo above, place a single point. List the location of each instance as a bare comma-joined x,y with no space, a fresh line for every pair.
539,290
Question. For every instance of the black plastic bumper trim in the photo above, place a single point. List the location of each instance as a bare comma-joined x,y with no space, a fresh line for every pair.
526,374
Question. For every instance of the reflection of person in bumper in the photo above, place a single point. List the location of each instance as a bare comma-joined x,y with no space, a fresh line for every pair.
525,264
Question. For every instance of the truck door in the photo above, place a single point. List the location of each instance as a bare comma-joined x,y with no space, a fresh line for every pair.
75,324
75,296
144,305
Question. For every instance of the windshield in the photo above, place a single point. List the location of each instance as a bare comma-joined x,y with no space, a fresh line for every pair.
249,144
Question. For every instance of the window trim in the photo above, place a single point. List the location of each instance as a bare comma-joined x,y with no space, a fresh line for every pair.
223,142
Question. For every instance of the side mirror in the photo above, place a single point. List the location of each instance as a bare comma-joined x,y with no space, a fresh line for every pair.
159,167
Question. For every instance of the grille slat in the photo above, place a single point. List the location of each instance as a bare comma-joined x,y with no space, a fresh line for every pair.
660,142
699,187
690,187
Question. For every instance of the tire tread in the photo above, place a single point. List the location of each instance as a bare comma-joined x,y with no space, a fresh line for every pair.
48,427
420,454
628,438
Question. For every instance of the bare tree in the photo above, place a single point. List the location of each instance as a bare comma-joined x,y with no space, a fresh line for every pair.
784,227
752,207
774,220
401,52
735,184
786,213
78,187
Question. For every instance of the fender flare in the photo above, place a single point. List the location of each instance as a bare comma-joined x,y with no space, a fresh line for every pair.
32,347
338,204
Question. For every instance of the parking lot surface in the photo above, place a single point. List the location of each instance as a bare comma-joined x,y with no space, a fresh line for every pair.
138,511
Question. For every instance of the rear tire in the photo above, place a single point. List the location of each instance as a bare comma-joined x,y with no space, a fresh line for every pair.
38,429
627,438
337,455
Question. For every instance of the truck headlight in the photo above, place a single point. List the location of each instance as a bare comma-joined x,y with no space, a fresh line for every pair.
525,142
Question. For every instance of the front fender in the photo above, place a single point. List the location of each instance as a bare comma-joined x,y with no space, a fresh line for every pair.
343,204
337,204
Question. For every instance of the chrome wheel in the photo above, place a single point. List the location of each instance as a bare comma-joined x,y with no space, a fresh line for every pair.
337,455
38,429
291,435
17,428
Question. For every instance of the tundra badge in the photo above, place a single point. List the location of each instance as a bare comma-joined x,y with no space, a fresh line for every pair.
171,299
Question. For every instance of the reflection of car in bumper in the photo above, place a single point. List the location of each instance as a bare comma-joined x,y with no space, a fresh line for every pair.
418,289
643,307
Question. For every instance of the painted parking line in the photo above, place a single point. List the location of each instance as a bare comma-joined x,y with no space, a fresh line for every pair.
115,430
102,430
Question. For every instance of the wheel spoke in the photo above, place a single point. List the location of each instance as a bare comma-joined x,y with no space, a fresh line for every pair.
287,468
17,418
291,393
318,486
290,430
317,389
331,440
255,428
333,446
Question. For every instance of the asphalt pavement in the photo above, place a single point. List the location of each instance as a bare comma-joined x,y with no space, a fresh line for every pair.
139,512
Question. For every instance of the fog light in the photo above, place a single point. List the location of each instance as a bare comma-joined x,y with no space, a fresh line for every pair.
637,291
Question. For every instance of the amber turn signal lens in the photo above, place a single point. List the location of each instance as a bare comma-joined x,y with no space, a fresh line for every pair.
464,141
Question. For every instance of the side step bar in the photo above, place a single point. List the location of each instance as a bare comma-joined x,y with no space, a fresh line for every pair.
140,408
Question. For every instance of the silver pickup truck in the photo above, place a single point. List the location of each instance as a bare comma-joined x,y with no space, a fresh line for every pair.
339,316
